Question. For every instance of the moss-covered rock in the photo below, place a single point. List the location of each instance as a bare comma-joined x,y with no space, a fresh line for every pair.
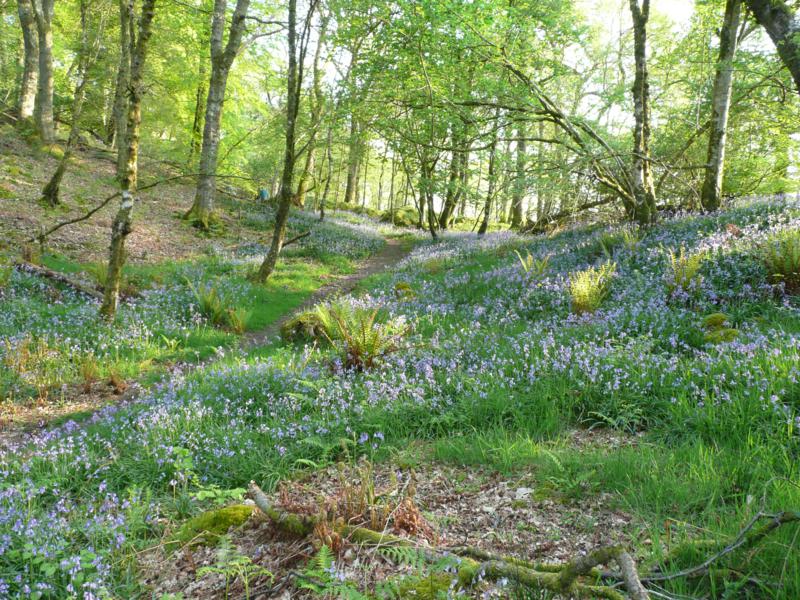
715,321
405,216
403,290
207,527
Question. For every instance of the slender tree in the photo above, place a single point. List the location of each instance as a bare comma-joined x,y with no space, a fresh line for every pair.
720,106
121,227
222,57
643,189
520,179
294,81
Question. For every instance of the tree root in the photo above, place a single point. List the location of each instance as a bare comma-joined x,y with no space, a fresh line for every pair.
578,578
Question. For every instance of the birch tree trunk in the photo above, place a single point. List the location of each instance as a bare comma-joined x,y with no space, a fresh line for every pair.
118,122
121,227
711,195
294,80
783,26
643,189
30,68
202,211
43,105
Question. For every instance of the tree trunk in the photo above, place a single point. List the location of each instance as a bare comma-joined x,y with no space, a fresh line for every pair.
451,195
353,163
783,27
317,99
43,106
199,108
286,192
85,59
520,181
119,112
202,211
720,105
643,190
30,70
121,227
487,206
329,154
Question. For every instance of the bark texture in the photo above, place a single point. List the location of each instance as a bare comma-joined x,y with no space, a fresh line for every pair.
520,180
30,65
353,162
491,176
642,186
118,122
43,106
720,106
783,26
222,57
121,227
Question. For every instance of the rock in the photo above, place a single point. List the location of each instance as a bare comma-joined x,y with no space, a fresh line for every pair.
522,493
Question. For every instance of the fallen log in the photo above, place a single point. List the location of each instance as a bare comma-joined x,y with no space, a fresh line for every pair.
577,578
59,277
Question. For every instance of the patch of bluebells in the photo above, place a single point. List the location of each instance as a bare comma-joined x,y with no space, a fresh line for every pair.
487,336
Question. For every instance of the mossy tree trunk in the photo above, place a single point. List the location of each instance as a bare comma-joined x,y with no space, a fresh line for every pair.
782,23
121,227
118,123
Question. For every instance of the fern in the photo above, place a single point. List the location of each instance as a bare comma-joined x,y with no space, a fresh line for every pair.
404,555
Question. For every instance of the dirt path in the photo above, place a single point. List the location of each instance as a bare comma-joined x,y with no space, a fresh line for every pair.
392,253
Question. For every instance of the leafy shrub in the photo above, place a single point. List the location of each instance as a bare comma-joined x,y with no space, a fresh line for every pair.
781,257
238,319
534,266
209,303
358,334
684,270
403,290
588,289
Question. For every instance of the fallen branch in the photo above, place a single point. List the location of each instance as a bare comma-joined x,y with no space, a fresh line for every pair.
576,578
60,277
296,238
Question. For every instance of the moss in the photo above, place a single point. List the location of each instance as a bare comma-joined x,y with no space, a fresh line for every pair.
715,321
207,527
305,326
428,587
6,192
405,216
718,336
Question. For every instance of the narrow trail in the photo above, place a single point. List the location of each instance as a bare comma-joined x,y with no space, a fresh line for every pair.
392,253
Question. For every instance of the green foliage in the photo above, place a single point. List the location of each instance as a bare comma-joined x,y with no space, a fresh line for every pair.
781,257
533,266
403,290
234,566
359,335
305,326
589,288
684,270
404,216
6,271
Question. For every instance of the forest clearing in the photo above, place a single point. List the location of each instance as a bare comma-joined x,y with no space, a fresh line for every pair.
377,300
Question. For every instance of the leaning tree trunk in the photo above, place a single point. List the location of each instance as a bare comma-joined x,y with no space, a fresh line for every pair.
643,189
286,191
121,227
51,191
118,122
43,106
783,26
202,210
720,105
520,180
30,69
